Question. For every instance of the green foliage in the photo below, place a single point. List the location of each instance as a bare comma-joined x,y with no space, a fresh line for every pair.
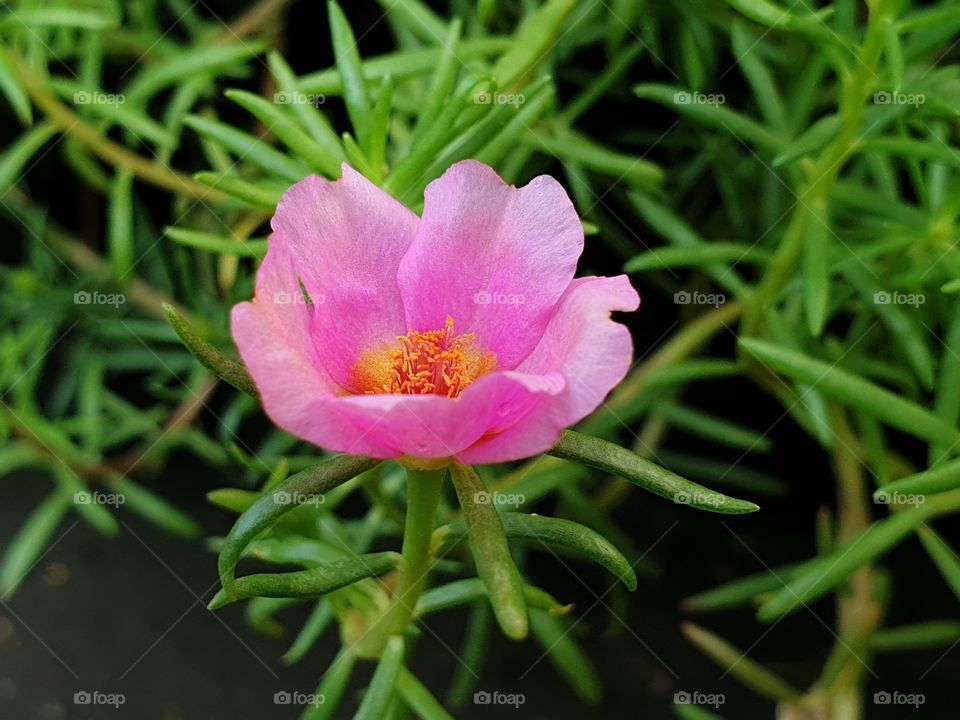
788,174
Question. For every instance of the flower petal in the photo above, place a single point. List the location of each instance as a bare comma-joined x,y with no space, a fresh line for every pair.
346,239
493,257
433,426
274,342
591,351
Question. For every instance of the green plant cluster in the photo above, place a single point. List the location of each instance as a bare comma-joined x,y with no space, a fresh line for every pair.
787,175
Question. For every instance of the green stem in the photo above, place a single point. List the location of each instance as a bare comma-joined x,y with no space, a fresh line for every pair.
73,125
857,86
423,496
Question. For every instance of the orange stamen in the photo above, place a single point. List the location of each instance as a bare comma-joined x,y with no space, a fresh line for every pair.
437,362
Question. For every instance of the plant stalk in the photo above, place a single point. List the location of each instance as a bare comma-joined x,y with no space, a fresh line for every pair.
424,488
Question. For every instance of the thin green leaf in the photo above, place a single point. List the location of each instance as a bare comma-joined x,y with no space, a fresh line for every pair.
277,122
557,531
943,556
311,583
154,508
532,42
120,232
491,552
355,92
281,499
305,107
332,687
566,656
921,636
18,154
13,90
380,127
227,369
217,244
854,391
419,699
382,686
320,619
743,591
699,256
761,680
614,459
824,573
934,480
250,194
29,541
712,114
251,149
215,59
816,266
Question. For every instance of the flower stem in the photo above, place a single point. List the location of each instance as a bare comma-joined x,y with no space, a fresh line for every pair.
423,495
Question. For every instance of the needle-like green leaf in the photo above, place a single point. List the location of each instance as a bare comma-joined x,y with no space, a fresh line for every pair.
491,552
619,461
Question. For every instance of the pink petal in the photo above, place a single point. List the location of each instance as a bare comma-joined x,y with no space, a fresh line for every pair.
346,239
299,395
274,342
592,352
493,257
433,426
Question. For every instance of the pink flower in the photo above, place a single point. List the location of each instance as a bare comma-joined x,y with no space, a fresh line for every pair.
459,334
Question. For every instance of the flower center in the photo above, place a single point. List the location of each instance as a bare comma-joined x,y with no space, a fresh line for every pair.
439,362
